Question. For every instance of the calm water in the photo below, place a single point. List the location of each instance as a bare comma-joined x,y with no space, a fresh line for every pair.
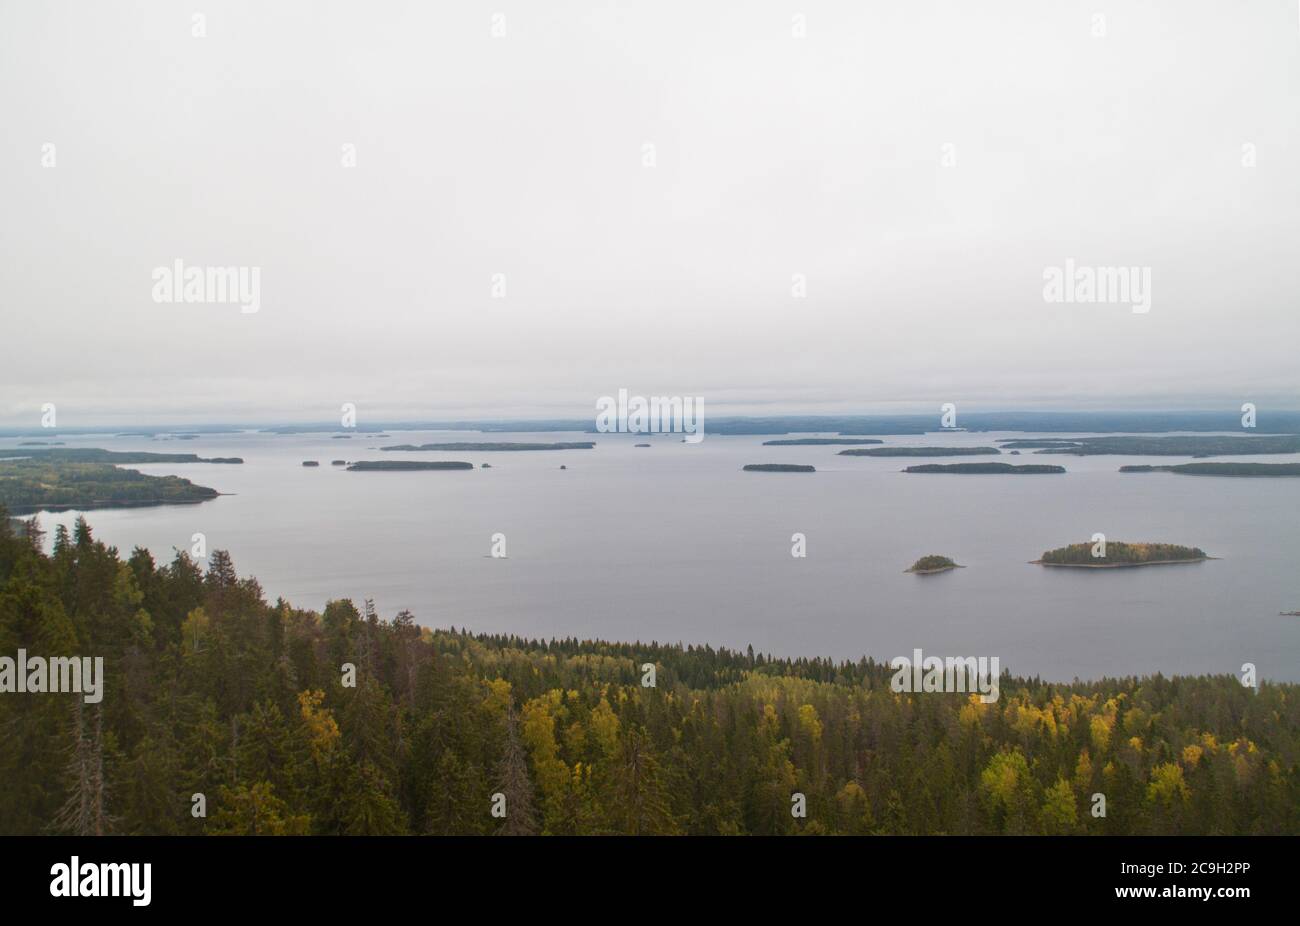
675,543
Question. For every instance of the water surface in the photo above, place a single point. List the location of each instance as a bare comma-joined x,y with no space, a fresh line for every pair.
674,543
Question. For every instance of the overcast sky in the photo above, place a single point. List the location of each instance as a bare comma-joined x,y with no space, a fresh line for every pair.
524,155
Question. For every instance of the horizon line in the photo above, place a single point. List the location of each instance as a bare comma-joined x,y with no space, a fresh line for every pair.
200,425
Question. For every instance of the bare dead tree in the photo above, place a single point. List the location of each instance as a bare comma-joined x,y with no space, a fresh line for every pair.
83,812
514,783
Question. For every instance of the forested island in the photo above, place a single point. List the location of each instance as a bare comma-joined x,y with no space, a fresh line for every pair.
920,452
95,455
819,441
984,468
928,565
496,446
406,465
210,688
1119,554
1035,443
1220,469
40,485
778,468
1175,445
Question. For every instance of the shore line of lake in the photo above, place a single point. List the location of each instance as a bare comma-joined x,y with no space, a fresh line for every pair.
1156,562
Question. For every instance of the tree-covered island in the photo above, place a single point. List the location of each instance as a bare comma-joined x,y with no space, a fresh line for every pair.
1116,553
985,468
928,565
920,452
406,465
95,455
819,441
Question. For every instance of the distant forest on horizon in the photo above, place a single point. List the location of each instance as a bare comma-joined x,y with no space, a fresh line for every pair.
1269,421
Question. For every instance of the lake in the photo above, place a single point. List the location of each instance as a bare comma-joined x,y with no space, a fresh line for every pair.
674,543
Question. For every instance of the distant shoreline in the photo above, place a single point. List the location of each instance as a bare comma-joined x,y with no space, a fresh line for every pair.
1221,468
100,505
1280,421
492,447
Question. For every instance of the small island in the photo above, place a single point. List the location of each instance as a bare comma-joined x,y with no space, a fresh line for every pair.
338,462
778,468
311,463
929,565
818,441
643,445
1119,555
465,447
921,452
1220,469
393,466
978,468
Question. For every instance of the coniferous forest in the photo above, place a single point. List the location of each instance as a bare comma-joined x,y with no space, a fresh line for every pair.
226,713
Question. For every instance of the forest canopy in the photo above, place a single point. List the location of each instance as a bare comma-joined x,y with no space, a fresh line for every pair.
211,690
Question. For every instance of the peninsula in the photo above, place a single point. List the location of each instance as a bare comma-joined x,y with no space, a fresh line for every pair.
28,486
